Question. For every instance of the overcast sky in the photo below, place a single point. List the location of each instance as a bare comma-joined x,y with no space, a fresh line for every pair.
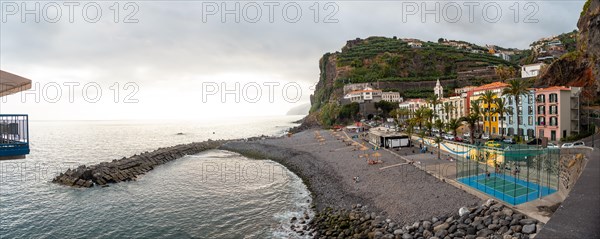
177,56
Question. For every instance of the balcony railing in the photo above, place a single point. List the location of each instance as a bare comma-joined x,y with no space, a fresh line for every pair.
14,135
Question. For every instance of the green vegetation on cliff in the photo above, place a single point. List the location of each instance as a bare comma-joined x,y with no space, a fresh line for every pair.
388,59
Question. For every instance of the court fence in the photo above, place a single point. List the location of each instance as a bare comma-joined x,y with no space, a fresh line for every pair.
512,173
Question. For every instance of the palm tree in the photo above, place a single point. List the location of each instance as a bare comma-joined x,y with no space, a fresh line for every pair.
476,109
422,135
515,89
428,114
488,99
453,125
448,108
410,130
419,117
429,126
438,141
501,110
434,101
439,124
472,120
396,115
402,114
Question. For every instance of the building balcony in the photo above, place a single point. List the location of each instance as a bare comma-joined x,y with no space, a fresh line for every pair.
14,136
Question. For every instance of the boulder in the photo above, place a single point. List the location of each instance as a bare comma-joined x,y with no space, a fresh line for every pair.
507,211
440,227
484,233
527,221
528,229
463,211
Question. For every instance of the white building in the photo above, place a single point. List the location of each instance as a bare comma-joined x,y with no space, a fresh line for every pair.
391,97
531,70
415,44
438,90
360,96
505,57
412,105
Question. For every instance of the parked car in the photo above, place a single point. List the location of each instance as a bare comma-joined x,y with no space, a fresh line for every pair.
467,135
509,141
448,137
458,139
567,145
552,146
492,144
578,143
485,136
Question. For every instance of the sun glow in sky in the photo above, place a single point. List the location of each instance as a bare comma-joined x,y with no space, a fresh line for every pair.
162,60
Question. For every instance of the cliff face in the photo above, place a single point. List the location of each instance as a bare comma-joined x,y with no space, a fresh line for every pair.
393,63
580,68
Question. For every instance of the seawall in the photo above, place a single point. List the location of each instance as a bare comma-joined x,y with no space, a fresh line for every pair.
127,169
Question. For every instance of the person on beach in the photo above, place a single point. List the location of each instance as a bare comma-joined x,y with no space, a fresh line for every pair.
487,173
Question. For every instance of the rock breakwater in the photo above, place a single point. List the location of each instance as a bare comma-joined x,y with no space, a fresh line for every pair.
489,220
127,169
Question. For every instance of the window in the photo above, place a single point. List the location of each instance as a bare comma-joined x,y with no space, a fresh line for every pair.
553,135
510,120
521,120
553,98
541,120
530,110
520,109
541,98
541,110
530,120
553,121
553,109
510,100
530,99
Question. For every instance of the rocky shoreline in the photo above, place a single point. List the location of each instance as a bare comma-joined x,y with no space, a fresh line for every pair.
489,220
339,213
128,169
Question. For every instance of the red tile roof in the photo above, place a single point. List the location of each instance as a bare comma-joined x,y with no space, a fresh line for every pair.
553,88
491,86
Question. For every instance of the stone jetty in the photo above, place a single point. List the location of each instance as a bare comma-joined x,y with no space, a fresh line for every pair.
127,169
489,220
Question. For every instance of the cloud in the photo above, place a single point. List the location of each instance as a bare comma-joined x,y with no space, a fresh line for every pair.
171,50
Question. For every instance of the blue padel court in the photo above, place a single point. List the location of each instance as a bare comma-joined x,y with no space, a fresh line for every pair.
507,188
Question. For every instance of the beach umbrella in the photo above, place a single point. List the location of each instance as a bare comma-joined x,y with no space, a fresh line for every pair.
363,148
376,154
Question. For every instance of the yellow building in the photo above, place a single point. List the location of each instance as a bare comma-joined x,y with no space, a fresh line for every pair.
489,120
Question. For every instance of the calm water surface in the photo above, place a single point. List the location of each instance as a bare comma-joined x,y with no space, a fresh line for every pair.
214,194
